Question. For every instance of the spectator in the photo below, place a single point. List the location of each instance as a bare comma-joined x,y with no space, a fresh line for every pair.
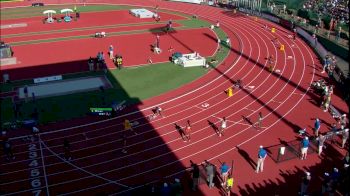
335,176
224,173
210,170
345,137
334,130
327,63
304,147
261,158
165,190
195,176
342,121
305,183
176,188
317,126
326,183
321,139
229,185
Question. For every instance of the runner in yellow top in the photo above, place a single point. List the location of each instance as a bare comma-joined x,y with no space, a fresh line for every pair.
229,184
127,126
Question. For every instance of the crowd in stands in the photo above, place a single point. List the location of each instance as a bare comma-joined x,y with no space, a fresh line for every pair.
337,9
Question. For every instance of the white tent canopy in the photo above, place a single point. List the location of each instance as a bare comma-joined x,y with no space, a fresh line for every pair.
49,12
66,10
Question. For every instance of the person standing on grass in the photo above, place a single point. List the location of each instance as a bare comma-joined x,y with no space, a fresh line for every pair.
223,126
320,139
224,173
259,122
67,152
261,158
304,147
317,126
124,143
128,126
210,171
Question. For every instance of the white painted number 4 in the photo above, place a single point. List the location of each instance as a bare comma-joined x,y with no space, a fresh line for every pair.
34,163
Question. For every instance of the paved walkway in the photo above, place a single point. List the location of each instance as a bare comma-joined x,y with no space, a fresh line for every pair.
343,66
63,87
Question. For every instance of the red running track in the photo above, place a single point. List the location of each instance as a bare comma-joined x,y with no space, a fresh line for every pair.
158,151
69,57
34,24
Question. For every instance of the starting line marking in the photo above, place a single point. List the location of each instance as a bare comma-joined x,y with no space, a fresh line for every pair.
199,107
276,101
239,123
298,94
43,166
249,109
82,169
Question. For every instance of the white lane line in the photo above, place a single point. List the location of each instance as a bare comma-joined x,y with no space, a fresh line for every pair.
177,149
83,170
294,105
248,139
298,94
44,167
